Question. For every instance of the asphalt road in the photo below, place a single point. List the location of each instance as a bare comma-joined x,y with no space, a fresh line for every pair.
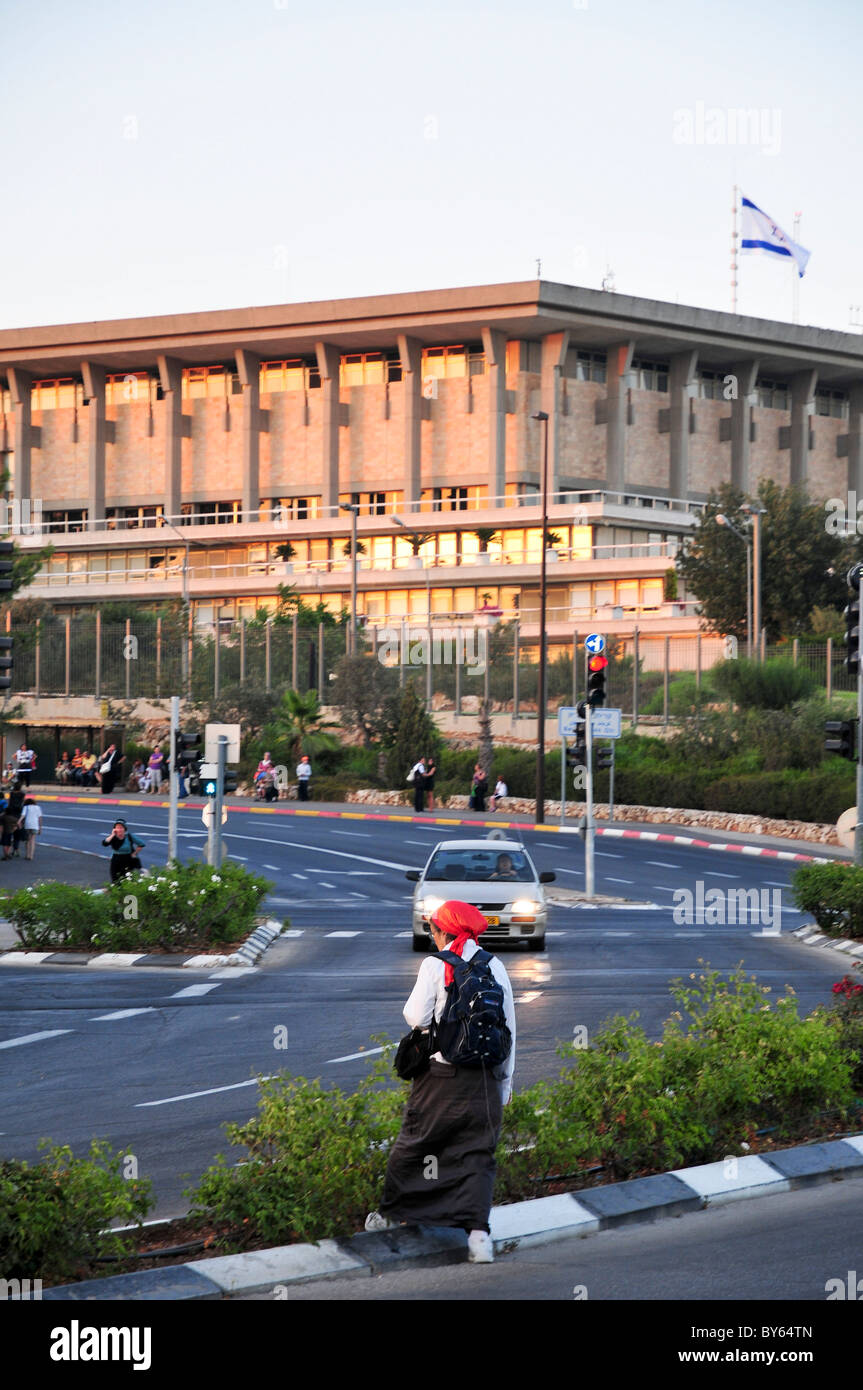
157,1060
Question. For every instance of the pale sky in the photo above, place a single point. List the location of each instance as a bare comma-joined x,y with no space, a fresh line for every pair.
169,157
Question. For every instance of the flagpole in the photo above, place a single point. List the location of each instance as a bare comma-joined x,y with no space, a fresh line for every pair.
795,283
734,250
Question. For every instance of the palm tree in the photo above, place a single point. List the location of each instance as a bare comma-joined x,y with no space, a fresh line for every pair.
417,539
297,720
485,535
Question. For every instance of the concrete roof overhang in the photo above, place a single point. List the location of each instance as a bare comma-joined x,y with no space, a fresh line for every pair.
595,319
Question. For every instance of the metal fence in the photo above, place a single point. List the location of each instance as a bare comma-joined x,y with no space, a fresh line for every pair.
454,667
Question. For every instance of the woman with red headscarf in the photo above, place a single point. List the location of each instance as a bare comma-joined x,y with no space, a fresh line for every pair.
441,1168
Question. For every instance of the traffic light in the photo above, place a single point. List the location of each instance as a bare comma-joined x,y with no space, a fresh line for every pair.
230,784
596,668
603,757
187,750
7,550
6,662
576,755
840,737
852,636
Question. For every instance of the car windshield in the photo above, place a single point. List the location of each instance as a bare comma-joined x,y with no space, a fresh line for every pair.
480,866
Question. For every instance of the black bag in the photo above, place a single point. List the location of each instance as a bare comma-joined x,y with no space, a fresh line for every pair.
413,1054
473,1031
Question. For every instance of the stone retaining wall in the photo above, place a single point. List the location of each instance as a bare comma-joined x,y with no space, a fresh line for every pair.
648,815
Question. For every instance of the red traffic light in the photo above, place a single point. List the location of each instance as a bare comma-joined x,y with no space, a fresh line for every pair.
597,663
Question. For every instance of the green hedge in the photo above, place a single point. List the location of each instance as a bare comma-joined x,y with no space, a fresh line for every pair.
833,893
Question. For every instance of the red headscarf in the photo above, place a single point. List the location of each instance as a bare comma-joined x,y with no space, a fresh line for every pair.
463,920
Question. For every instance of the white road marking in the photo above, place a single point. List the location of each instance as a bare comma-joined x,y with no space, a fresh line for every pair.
526,998
230,972
617,933
319,849
358,895
356,834
326,885
661,888
35,1037
274,868
605,854
293,931
121,1013
714,873
685,934
403,935
302,876
344,934
609,879
661,864
192,991
571,871
352,1056
193,1095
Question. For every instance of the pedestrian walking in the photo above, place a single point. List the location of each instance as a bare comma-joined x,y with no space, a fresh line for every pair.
478,789
454,1111
31,824
125,846
156,766
109,768
304,774
417,779
11,818
431,772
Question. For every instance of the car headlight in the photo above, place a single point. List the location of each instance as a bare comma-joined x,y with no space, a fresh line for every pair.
431,904
523,905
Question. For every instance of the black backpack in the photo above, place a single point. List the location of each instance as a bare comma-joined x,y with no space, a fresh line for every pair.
473,1031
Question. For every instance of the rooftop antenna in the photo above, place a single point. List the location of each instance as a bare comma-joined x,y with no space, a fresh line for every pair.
538,268
608,280
795,283
855,315
735,201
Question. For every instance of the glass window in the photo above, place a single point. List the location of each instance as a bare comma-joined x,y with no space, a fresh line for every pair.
651,593
117,562
376,607
319,551
591,366
447,547
512,546
382,551
397,603
137,562
580,598
441,600
627,594
582,542
417,603
533,544
603,593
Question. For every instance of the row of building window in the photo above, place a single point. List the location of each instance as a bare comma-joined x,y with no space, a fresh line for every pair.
376,367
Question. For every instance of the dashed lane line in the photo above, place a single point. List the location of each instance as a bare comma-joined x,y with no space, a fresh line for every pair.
35,1037
193,1095
193,991
122,1013
353,1056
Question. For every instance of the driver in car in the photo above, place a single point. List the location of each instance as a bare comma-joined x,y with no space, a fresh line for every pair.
505,867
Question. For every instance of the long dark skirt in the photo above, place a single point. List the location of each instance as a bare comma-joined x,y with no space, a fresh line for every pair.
441,1168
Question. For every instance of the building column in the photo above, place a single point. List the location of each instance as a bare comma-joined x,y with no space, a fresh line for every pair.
681,379
617,408
410,353
248,370
20,384
746,374
328,365
554,350
494,346
171,382
855,438
803,386
94,399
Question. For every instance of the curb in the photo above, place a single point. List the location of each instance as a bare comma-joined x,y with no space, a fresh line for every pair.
528,1223
811,936
658,837
245,956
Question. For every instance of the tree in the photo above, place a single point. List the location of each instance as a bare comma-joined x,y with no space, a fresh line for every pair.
486,739
408,732
796,553
297,722
361,688
485,535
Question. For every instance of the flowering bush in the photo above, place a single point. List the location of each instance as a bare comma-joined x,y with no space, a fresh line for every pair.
847,1017
177,908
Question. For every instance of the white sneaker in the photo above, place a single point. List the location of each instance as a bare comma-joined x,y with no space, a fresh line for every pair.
376,1222
480,1250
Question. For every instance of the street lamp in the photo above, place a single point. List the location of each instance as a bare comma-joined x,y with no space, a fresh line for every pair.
756,513
354,511
722,520
184,653
542,416
398,521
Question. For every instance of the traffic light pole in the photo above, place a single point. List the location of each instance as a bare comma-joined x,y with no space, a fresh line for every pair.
216,825
588,815
858,831
562,780
173,779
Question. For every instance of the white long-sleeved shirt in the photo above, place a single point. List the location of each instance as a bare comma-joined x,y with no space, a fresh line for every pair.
429,995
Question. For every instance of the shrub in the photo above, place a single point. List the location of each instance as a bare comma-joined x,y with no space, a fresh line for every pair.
316,1160
775,684
52,915
174,908
54,1215
833,893
847,1017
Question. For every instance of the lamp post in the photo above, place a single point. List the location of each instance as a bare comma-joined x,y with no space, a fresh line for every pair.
542,416
398,521
747,541
756,513
353,508
184,651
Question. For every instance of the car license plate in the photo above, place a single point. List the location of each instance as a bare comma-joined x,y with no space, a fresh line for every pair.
492,921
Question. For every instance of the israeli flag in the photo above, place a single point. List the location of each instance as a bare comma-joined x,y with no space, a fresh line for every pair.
760,233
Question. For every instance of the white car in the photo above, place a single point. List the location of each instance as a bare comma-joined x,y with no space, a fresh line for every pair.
497,876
